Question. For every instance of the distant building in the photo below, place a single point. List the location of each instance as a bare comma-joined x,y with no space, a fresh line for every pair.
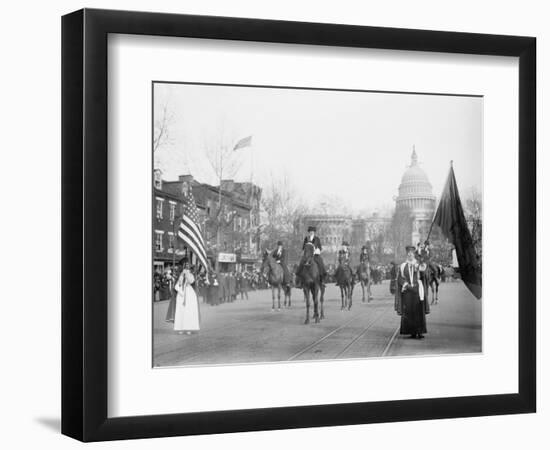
332,229
374,229
415,192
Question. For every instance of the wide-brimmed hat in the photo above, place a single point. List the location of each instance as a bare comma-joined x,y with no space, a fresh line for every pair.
346,243
408,248
311,228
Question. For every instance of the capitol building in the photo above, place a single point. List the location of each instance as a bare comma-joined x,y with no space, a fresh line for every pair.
415,199
415,193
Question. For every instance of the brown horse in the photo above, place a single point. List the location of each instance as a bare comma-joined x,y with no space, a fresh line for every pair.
311,284
365,278
344,279
273,272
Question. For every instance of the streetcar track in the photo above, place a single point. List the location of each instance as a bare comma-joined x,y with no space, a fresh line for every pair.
198,354
272,314
309,347
228,327
326,336
367,328
390,342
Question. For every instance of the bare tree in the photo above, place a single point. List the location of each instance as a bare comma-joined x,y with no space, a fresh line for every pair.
283,209
379,243
401,229
474,217
164,119
225,163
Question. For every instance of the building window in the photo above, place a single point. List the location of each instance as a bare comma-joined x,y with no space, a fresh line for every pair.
160,202
172,211
171,241
158,240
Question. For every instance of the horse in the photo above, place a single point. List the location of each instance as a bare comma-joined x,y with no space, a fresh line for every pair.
433,276
344,279
365,278
312,284
273,272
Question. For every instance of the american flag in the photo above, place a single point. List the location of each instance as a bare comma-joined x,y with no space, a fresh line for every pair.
244,142
190,230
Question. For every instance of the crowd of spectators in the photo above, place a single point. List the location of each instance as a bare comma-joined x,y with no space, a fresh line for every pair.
213,288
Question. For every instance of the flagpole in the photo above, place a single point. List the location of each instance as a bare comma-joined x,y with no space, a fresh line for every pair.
432,225
251,165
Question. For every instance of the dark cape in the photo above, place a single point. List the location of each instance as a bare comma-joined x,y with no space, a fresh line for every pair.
408,304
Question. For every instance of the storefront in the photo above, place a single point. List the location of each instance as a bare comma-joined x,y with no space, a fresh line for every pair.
164,261
227,262
247,263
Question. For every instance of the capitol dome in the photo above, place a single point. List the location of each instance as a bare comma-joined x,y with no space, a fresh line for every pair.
415,191
414,181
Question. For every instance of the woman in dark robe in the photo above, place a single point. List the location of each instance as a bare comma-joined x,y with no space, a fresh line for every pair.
213,291
410,296
171,311
166,285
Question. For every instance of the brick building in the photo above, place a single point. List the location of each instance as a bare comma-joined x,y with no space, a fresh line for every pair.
229,219
167,212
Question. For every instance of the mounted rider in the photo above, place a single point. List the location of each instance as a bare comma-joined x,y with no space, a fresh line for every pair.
364,257
422,252
423,256
280,257
344,254
344,257
311,238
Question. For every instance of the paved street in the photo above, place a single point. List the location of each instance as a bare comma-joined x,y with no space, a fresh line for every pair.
248,331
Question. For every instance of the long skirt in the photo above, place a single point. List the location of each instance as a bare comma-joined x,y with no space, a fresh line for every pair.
171,311
187,310
213,295
413,316
165,291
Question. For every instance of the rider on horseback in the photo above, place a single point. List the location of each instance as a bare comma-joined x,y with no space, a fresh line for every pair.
343,253
344,257
279,254
422,252
423,256
365,254
311,238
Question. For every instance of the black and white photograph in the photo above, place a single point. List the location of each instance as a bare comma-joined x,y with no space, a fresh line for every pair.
275,225
297,224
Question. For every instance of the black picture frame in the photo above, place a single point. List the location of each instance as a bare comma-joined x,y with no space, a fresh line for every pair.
84,224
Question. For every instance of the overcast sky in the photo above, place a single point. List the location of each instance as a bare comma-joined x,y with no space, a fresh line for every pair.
354,145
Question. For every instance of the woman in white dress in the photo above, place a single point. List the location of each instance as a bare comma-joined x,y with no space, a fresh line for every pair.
187,306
